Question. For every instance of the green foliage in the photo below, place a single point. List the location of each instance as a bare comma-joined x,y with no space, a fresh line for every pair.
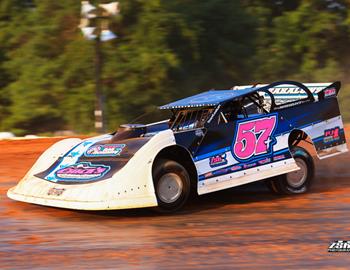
165,50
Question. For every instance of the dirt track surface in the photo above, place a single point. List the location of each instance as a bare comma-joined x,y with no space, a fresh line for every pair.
245,227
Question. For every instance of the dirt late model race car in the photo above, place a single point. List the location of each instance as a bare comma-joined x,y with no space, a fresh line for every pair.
214,140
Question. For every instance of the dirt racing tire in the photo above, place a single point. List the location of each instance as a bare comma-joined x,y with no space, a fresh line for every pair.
172,185
296,182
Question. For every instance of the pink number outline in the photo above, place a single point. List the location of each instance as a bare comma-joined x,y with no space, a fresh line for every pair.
254,137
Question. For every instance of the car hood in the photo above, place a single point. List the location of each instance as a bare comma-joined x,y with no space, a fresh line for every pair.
92,160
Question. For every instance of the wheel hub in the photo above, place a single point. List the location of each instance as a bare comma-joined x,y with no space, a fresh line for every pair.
297,179
169,187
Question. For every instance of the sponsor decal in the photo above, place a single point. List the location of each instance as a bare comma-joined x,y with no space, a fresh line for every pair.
84,171
105,150
289,90
254,138
279,157
294,90
264,161
247,166
220,172
330,92
209,174
218,160
56,191
339,246
74,154
235,168
331,135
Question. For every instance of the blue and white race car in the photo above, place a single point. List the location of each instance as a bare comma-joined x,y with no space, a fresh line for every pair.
214,140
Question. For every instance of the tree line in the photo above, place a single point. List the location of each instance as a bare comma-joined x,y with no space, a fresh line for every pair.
165,50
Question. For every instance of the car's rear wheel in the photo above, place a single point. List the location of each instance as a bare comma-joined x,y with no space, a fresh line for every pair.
298,181
172,185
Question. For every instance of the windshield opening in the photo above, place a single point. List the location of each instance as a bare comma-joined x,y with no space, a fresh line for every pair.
152,115
190,119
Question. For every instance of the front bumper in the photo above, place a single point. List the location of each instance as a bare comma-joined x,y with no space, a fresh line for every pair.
122,191
122,203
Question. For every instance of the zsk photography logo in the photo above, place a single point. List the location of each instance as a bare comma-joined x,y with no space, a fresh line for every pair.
339,246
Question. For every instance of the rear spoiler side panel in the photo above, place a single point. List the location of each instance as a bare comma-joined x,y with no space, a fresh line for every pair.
327,132
332,140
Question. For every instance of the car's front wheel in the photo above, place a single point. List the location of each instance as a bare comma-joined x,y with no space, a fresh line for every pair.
172,185
298,181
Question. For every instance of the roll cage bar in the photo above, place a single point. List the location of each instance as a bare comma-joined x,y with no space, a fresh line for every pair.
274,106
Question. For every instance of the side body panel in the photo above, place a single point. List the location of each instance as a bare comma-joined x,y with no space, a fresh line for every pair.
244,151
257,147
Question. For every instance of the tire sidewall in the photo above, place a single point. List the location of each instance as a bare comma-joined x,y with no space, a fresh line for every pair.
285,187
162,167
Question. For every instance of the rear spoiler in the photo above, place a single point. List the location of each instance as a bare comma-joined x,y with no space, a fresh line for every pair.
330,91
285,91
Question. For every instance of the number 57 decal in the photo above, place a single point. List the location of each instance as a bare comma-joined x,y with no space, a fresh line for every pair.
254,138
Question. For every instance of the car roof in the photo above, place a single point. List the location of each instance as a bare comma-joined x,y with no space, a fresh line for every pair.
209,98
